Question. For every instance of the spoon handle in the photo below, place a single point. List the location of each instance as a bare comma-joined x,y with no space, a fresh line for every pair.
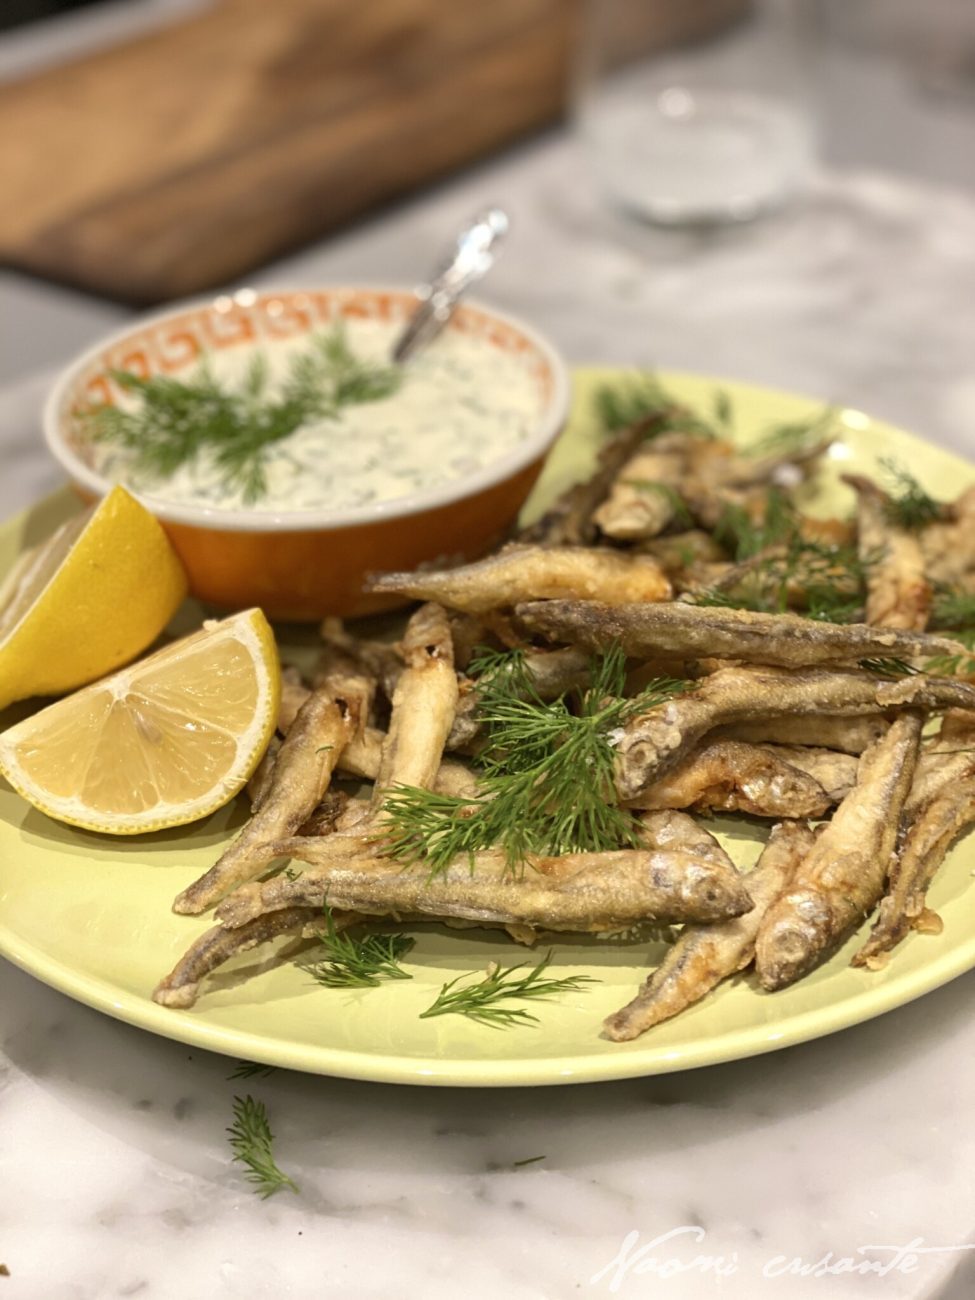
476,249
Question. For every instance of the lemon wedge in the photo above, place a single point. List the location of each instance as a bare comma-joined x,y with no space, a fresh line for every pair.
160,743
88,599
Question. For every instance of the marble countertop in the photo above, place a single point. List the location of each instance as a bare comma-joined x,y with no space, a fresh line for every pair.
754,1178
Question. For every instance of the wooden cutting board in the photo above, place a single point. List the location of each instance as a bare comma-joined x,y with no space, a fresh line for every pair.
182,160
185,158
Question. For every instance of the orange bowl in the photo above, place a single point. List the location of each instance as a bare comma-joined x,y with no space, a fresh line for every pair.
303,564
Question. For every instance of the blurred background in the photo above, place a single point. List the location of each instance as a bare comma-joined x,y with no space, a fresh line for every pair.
720,185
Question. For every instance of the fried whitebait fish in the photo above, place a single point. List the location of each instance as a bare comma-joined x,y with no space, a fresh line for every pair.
680,629
645,495
822,731
655,742
949,546
294,692
672,831
703,955
763,780
899,594
576,891
301,775
842,878
520,573
940,806
181,987
423,705
569,521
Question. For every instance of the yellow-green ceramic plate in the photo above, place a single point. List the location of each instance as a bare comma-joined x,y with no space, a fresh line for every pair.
91,916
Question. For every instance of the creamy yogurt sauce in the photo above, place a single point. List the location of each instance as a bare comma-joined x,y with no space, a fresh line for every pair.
462,405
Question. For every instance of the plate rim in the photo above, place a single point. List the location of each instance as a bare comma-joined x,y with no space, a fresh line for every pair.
631,1062
638,1059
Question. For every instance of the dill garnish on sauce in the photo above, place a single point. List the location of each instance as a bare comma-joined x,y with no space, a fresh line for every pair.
548,772
174,422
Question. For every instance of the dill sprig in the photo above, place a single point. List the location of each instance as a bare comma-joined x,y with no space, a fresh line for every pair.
951,666
251,1070
548,773
251,1140
960,665
780,568
176,421
358,962
910,507
738,532
723,411
794,436
480,1001
953,608
890,667
640,396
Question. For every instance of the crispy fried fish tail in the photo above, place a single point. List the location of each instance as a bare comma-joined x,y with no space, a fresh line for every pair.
181,987
704,955
301,775
842,878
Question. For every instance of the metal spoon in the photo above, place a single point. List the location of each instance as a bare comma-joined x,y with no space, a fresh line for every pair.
474,255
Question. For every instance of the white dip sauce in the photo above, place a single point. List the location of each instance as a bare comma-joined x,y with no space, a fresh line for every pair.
462,405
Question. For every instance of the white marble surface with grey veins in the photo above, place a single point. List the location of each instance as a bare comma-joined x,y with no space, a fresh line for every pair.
757,1178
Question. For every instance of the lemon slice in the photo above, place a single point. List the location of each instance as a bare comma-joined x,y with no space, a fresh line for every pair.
160,743
87,600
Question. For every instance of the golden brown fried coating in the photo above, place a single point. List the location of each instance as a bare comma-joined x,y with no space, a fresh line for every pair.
731,776
705,954
654,742
301,775
520,573
680,629
841,880
899,594
577,891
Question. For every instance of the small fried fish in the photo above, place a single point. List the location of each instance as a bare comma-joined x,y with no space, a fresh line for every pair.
181,987
569,520
842,878
847,735
731,776
703,955
677,628
520,573
301,775
645,498
899,594
654,742
423,705
940,805
576,891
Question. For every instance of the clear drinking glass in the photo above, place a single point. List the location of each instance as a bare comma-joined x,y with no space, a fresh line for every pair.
695,112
